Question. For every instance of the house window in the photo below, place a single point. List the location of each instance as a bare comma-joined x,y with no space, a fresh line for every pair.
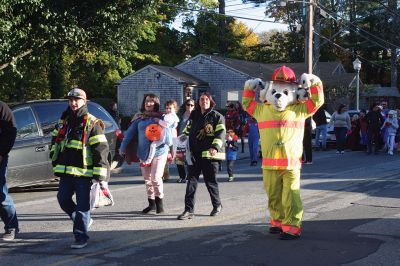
233,96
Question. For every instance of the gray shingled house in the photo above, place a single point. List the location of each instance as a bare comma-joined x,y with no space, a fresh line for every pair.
166,82
222,77
226,76
378,94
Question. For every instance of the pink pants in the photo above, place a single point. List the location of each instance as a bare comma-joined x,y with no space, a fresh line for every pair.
153,176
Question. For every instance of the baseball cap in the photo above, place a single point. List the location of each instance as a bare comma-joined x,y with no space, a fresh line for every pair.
77,93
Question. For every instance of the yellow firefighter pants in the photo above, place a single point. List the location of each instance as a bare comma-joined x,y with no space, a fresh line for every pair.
284,202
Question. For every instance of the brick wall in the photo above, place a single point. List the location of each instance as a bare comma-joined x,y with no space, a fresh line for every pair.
132,88
220,78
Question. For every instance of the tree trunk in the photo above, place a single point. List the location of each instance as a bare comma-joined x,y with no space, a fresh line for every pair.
56,72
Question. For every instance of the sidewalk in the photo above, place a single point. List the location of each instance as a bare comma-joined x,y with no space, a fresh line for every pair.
135,170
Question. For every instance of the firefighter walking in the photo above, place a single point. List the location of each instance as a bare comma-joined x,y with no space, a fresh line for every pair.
206,132
79,154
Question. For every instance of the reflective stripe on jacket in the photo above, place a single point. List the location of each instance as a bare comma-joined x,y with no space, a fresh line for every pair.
206,131
83,150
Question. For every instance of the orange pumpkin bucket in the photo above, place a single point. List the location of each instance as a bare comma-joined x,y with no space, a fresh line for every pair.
153,132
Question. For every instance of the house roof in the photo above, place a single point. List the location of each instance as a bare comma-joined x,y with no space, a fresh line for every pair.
383,92
331,73
180,75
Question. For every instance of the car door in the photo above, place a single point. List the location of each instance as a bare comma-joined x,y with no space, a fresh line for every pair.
29,156
48,113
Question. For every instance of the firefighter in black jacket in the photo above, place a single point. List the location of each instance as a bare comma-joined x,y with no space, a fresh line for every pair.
79,154
206,134
8,133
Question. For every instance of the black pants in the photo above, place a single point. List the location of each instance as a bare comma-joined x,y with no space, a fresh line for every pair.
307,145
374,138
340,133
229,167
181,171
209,169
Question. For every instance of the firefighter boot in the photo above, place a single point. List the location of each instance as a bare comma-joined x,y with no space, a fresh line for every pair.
159,205
151,207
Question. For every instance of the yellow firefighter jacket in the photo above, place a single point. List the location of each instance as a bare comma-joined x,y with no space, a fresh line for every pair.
282,133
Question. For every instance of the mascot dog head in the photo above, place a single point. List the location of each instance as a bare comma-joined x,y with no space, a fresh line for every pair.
282,90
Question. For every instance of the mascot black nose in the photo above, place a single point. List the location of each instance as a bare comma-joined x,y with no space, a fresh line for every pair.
278,95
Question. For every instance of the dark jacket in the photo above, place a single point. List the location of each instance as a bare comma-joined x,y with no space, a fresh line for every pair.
8,129
375,120
81,154
320,117
206,131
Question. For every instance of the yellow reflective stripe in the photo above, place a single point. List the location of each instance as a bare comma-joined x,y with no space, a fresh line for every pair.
100,171
218,156
59,168
97,139
76,171
220,127
217,142
54,133
75,144
187,129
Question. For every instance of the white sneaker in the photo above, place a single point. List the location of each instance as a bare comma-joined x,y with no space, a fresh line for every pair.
390,153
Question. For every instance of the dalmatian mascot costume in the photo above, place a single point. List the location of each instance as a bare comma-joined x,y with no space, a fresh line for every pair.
285,104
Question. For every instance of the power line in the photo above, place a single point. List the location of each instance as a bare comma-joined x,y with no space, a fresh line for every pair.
360,29
348,51
389,9
224,15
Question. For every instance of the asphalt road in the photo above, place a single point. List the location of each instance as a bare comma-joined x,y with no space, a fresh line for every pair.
351,203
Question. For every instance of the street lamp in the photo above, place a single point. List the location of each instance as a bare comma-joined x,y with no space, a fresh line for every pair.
357,67
309,31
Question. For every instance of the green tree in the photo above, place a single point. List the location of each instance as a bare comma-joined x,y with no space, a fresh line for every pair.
58,29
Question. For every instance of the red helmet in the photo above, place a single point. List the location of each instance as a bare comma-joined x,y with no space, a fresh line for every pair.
284,74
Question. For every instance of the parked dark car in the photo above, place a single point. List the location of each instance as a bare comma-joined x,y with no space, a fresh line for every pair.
29,162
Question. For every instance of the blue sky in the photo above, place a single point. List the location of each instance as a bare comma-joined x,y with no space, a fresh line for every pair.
237,8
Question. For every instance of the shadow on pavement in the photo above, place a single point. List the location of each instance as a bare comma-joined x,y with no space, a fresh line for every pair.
324,242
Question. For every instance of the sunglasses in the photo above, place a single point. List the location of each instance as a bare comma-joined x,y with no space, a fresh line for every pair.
189,104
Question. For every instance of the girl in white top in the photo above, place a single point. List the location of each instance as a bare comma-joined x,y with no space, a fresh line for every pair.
391,125
168,123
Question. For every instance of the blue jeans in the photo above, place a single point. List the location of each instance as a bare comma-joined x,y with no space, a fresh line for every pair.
321,130
340,133
7,210
81,187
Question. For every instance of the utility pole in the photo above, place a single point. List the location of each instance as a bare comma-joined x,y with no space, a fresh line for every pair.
317,41
222,28
393,49
310,20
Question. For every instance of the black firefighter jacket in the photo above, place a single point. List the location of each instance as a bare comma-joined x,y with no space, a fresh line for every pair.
206,131
79,146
